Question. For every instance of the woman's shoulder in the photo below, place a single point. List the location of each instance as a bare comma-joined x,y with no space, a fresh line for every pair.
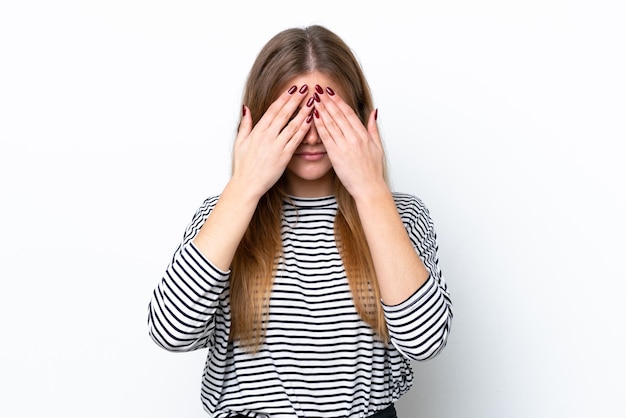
206,207
410,205
407,199
211,200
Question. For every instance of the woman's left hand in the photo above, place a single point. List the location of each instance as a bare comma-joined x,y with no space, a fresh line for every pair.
356,152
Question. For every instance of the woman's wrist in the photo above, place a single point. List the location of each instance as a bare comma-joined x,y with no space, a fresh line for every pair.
245,191
372,193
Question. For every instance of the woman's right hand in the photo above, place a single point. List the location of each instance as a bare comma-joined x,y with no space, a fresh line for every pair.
260,156
261,153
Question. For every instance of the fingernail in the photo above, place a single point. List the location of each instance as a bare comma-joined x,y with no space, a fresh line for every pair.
292,90
317,98
309,118
309,103
316,113
319,89
243,110
304,89
376,114
330,91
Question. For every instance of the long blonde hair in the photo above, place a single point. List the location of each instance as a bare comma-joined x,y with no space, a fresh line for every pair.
290,53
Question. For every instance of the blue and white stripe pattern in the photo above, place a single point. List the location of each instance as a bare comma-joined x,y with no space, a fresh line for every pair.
319,358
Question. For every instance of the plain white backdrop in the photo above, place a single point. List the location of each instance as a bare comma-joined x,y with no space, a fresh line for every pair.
506,117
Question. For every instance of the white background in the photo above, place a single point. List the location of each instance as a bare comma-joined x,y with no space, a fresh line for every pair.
506,117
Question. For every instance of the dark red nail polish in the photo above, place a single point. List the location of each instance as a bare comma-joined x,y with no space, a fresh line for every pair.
292,90
330,91
309,103
376,114
317,98
243,110
304,89
319,89
316,113
309,119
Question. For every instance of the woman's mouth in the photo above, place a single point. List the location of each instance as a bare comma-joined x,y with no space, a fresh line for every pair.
311,156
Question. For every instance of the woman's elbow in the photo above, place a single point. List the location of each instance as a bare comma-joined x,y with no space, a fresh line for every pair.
429,346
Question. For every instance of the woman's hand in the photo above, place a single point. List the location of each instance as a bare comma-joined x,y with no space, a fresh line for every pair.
261,153
356,152
260,156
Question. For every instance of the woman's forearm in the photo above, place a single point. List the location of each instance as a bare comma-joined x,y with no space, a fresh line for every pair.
221,234
399,269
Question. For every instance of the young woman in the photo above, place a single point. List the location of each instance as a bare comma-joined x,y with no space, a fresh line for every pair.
309,281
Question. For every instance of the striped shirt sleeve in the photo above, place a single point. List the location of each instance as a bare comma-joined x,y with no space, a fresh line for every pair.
182,307
419,326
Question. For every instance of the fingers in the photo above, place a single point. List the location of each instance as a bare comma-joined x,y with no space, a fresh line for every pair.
282,109
333,116
338,120
283,122
372,127
263,150
296,129
245,124
348,112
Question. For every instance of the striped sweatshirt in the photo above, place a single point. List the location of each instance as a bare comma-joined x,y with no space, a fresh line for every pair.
319,359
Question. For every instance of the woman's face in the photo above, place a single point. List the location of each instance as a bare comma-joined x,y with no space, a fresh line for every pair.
309,173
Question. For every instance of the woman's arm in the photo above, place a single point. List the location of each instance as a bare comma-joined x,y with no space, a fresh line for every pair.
419,325
261,154
182,306
399,269
415,298
413,293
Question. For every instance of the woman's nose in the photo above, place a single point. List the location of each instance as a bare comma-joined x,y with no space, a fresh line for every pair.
311,137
